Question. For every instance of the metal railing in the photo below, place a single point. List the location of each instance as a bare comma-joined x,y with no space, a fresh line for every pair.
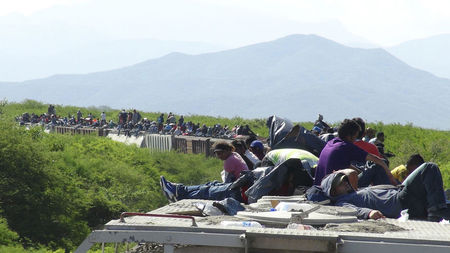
159,142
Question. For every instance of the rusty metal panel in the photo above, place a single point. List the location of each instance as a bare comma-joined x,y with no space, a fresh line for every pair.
180,144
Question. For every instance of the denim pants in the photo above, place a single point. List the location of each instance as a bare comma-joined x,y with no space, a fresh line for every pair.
372,174
211,191
423,191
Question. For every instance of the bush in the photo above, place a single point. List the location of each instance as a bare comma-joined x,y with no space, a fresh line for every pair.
7,237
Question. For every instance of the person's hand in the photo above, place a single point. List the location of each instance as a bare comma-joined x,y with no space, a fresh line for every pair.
375,215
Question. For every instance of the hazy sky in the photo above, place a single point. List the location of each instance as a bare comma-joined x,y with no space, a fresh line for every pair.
235,22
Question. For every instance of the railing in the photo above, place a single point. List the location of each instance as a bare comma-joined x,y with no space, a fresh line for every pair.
201,147
83,131
159,142
180,145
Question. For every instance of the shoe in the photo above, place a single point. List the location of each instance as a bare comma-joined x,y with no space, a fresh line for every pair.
169,189
438,215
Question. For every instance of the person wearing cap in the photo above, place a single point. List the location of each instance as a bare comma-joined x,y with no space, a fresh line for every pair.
257,148
422,193
233,163
316,130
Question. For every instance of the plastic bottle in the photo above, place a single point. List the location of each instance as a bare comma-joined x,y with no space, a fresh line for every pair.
291,206
404,215
253,224
300,226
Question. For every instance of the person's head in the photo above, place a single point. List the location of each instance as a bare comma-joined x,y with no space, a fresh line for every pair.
340,185
320,117
239,146
249,140
413,162
316,130
223,149
370,132
348,130
257,145
380,136
362,125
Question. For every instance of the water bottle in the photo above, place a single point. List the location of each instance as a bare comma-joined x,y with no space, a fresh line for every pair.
404,215
253,224
300,226
292,206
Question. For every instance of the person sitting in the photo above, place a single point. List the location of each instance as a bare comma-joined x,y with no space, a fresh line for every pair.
340,152
402,171
316,130
369,147
422,193
257,148
233,164
378,141
320,124
241,148
369,134
246,131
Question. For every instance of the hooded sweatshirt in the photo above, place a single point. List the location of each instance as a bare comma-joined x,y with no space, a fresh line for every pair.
367,199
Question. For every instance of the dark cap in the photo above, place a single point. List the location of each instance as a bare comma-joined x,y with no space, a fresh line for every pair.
340,177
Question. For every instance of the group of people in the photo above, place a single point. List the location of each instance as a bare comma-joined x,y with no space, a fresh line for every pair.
370,135
348,171
132,123
50,118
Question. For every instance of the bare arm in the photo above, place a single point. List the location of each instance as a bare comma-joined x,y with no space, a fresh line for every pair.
380,162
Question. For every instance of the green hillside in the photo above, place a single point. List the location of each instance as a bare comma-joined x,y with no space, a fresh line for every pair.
54,189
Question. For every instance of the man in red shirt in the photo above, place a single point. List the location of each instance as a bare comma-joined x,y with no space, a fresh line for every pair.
368,147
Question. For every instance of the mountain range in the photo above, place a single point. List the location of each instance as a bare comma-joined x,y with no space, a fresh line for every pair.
296,77
431,54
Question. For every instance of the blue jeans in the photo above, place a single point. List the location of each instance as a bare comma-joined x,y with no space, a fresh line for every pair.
423,191
211,191
374,175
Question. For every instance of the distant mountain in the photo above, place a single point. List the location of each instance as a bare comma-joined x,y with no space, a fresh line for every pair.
431,54
102,35
90,57
296,77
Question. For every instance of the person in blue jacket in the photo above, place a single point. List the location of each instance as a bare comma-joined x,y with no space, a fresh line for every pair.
422,193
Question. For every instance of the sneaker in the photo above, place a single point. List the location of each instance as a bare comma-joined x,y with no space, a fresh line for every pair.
169,189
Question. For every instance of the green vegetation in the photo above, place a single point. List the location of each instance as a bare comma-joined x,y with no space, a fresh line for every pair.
54,188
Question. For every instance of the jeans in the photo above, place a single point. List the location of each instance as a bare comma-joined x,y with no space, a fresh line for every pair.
210,191
423,191
374,175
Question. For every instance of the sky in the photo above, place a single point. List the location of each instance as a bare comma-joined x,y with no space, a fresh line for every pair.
235,22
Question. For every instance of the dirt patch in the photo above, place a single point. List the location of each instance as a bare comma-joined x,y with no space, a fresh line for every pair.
367,226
